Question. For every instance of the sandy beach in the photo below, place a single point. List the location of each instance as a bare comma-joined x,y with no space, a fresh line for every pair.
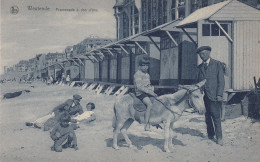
22,143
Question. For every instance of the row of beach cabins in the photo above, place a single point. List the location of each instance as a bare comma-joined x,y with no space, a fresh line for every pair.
231,28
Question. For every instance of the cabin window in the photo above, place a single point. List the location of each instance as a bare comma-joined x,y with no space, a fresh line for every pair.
225,27
213,29
205,29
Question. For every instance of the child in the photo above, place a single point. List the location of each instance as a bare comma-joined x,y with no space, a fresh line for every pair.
61,132
87,116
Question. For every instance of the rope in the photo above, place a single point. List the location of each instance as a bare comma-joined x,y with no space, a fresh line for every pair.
168,107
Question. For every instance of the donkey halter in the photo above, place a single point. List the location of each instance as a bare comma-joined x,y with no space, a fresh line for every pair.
189,92
189,100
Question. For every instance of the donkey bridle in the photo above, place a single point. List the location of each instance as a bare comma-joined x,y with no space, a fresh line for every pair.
189,100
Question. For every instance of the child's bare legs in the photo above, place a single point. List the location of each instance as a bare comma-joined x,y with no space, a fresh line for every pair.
148,103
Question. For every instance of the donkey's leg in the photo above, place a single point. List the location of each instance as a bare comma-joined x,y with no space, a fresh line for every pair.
124,131
171,136
166,135
117,129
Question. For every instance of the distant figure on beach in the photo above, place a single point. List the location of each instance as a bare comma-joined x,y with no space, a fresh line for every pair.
67,79
62,132
63,78
50,80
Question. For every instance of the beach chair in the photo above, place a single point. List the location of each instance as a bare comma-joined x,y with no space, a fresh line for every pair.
85,85
110,90
72,84
119,90
124,91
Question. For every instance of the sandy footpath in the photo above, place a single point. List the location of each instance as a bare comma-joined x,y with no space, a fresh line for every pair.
22,143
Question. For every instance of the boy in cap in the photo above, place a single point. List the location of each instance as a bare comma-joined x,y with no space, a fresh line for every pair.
212,70
62,132
143,88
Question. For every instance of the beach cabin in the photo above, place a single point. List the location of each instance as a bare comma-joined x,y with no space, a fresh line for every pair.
71,68
87,69
120,60
232,29
176,54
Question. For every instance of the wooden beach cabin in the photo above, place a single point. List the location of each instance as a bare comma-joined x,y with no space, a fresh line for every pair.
71,68
119,62
176,53
232,29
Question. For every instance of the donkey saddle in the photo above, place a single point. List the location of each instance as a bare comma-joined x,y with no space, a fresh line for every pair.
138,104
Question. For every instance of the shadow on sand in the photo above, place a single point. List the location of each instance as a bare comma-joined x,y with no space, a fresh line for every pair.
192,132
140,142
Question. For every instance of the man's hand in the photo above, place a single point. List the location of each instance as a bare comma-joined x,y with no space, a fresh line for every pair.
219,98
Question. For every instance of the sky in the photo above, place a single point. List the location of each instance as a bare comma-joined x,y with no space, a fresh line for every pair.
29,32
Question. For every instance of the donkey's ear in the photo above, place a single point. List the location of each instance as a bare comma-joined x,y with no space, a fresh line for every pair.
200,84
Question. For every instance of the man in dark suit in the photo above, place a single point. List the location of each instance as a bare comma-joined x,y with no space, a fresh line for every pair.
212,70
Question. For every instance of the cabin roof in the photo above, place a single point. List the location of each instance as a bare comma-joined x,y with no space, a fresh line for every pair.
224,11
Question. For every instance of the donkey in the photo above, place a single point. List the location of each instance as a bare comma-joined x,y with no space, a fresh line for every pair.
166,109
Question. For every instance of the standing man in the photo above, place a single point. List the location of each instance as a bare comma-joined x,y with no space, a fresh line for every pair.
212,70
143,88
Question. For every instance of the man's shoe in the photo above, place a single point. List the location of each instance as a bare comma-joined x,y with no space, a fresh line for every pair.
65,146
220,142
28,124
212,138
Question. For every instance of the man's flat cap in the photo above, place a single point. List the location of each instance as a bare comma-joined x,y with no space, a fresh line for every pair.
77,97
203,48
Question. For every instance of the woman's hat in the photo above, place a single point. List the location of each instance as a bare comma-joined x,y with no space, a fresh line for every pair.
144,61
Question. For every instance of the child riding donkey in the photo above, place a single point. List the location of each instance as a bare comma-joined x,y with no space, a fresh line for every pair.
143,89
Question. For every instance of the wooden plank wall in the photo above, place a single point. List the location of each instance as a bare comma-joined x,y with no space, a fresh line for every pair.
125,69
104,65
154,64
113,69
246,57
96,71
89,70
169,66
188,62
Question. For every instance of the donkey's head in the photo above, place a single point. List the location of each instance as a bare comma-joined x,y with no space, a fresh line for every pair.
196,97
